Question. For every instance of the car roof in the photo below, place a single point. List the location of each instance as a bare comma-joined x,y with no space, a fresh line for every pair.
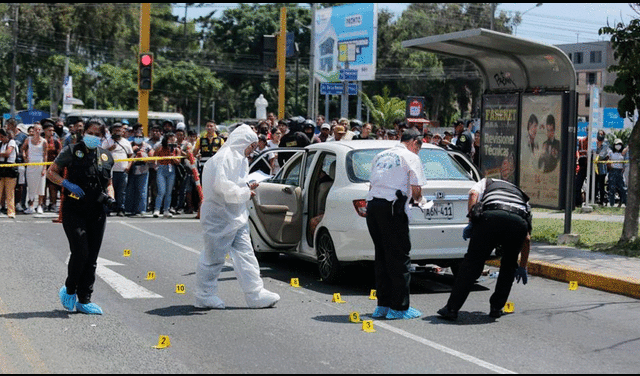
363,144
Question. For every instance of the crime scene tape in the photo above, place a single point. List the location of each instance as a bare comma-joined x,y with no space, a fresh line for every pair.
144,159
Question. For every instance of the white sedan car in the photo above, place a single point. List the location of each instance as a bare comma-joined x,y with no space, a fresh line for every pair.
315,208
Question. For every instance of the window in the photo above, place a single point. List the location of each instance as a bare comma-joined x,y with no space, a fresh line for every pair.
578,58
591,78
587,100
595,57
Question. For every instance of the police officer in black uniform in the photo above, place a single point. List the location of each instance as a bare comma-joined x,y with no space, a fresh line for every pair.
464,140
88,195
500,216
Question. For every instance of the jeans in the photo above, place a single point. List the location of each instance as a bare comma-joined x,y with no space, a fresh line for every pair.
136,200
616,183
165,177
120,188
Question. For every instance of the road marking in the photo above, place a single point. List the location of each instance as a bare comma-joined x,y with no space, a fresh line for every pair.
162,238
439,347
123,286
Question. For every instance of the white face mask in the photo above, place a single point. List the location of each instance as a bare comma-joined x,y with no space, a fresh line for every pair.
618,147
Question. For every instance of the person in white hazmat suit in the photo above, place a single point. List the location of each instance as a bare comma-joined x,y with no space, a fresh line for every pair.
225,220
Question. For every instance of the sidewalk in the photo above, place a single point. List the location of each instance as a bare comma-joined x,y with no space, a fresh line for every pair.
611,273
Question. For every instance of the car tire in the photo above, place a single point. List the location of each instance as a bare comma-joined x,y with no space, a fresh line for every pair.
328,264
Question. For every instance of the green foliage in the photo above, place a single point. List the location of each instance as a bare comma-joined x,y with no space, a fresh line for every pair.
384,109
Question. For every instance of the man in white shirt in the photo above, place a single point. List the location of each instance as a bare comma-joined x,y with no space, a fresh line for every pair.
120,148
396,175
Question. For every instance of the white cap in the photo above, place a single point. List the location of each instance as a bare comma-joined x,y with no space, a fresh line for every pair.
325,126
180,125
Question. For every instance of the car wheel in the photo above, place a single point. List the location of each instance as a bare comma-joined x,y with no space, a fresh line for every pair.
328,264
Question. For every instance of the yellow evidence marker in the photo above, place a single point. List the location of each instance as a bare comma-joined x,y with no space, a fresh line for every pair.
509,307
573,285
126,253
354,317
294,282
151,275
367,326
180,289
337,298
372,295
163,341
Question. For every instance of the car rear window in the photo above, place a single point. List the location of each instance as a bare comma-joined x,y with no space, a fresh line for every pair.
437,164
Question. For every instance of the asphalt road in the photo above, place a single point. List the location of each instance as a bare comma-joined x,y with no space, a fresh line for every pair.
553,329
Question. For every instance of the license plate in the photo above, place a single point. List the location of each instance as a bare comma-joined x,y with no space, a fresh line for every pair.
439,211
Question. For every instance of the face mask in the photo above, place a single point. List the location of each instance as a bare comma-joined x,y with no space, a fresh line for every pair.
138,140
91,141
600,138
618,147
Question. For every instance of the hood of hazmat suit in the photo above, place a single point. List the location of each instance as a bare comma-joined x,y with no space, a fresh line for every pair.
224,184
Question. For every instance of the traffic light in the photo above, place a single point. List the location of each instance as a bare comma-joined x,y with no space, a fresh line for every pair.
145,71
269,51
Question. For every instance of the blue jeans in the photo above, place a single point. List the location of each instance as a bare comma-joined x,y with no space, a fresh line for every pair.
616,183
120,188
164,179
136,200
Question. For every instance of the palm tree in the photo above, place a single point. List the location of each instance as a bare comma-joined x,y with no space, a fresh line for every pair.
385,110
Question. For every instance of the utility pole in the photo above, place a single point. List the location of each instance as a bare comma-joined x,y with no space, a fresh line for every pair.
493,13
14,60
143,95
311,110
282,60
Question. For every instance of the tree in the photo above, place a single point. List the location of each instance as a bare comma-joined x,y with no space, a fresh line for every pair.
625,41
385,109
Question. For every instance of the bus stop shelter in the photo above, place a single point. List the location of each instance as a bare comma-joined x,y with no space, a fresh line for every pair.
529,111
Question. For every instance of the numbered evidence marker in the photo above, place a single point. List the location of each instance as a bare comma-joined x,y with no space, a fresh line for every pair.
163,341
127,253
372,295
573,285
151,275
337,298
180,289
294,282
354,317
509,307
367,326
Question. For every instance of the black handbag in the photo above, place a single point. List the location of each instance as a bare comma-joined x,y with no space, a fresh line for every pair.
8,172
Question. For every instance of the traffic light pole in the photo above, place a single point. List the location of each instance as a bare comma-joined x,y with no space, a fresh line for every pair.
282,46
143,95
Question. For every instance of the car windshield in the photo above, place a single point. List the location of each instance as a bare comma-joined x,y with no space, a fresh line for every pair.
437,164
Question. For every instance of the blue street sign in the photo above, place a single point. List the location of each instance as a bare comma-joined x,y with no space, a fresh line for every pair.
348,75
330,88
290,50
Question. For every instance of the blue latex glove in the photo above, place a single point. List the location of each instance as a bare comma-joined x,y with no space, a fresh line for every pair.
521,273
73,188
466,232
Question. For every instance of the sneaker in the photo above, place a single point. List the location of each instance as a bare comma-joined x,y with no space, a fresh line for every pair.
120,214
168,214
138,215
12,216
156,213
19,207
29,210
172,211
39,210
448,314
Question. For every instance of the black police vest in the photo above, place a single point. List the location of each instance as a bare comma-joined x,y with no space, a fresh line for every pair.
503,192
91,171
207,149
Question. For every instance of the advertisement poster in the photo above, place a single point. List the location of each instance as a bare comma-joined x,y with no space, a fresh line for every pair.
346,39
540,164
499,135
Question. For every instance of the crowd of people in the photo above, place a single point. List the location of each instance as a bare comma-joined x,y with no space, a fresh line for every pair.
166,187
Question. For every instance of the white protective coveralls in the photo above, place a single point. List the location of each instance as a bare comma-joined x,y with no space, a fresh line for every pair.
225,220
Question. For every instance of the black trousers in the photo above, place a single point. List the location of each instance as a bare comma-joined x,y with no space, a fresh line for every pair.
494,228
599,189
390,234
84,231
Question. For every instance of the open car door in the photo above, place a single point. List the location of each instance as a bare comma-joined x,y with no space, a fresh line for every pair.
277,205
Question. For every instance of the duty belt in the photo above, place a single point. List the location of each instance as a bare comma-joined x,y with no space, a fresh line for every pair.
509,208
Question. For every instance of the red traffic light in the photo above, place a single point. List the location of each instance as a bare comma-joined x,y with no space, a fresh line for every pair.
146,60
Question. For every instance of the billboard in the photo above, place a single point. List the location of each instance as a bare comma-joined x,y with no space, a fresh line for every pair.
346,38
499,135
540,156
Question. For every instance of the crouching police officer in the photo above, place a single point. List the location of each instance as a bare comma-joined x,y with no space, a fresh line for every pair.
500,216
86,202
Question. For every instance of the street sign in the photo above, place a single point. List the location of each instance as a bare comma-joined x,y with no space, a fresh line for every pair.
332,88
348,75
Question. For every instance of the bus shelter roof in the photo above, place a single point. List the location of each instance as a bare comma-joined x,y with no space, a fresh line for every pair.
507,63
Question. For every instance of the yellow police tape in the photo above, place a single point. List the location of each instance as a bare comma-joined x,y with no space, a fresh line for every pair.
115,160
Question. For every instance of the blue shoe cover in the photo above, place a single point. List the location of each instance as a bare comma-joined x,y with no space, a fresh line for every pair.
68,301
411,313
380,312
89,308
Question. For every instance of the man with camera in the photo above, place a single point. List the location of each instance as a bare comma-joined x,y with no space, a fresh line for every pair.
88,196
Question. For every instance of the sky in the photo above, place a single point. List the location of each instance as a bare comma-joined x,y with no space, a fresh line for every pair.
549,23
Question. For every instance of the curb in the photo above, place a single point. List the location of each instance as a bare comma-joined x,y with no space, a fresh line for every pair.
623,286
